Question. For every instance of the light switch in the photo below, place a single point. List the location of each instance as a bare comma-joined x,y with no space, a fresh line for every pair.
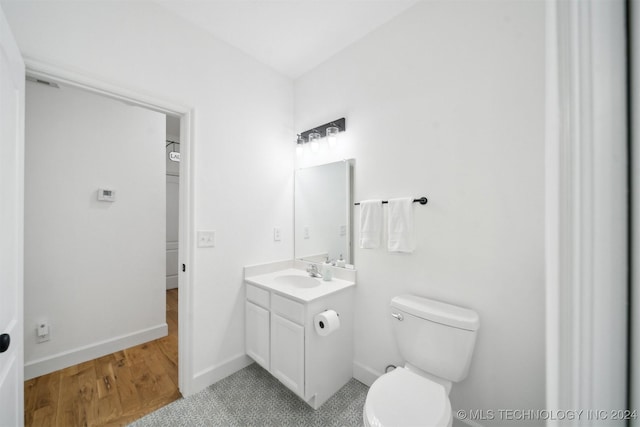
206,239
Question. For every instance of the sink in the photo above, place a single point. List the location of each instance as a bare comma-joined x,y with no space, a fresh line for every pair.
297,281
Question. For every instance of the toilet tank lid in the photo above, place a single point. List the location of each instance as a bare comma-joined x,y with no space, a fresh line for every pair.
437,311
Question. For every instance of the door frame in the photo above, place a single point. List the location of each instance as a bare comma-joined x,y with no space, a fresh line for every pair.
39,69
586,207
633,17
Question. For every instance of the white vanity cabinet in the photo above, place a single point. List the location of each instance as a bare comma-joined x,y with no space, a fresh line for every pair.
280,336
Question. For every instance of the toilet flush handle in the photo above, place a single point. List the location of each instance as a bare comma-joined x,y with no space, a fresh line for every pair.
398,316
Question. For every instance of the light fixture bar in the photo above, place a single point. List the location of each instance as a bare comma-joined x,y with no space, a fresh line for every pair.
340,123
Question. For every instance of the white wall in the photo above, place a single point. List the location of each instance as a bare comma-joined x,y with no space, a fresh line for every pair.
83,271
243,180
447,101
172,234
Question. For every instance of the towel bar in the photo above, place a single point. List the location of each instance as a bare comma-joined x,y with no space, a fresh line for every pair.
422,200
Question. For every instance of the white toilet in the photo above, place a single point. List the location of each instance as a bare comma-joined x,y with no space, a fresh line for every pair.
436,340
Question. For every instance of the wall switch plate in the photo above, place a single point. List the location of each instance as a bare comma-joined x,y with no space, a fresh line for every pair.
276,234
206,239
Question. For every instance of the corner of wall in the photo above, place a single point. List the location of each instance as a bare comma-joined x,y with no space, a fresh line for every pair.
364,374
209,376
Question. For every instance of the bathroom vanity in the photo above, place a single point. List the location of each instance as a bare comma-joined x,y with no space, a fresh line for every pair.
280,334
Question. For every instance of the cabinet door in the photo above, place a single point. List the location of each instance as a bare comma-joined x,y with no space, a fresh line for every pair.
287,353
257,333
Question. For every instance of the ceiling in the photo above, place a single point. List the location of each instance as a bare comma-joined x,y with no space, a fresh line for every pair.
291,36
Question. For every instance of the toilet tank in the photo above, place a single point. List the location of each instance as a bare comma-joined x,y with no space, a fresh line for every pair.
435,336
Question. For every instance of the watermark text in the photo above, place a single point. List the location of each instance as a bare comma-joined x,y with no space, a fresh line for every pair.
546,414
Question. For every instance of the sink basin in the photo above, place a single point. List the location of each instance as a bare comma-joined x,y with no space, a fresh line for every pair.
297,281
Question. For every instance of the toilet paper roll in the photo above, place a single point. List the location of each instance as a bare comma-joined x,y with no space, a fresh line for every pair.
326,322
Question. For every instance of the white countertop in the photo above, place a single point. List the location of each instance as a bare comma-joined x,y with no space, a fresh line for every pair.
304,294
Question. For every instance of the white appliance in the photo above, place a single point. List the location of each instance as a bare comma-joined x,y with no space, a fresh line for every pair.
436,340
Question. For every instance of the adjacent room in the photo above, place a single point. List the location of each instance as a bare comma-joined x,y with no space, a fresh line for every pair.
328,213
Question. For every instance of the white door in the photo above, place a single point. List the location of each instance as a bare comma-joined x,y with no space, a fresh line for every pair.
287,353
11,232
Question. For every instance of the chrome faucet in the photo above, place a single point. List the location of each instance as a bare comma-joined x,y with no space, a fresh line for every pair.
313,270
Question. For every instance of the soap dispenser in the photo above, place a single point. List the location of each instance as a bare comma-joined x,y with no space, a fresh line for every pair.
327,270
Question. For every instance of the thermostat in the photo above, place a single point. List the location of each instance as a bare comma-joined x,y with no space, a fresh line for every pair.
106,195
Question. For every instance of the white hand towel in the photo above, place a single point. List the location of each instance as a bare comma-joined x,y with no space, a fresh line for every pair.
400,225
370,223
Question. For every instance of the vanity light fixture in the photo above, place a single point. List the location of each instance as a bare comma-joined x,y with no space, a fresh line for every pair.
313,136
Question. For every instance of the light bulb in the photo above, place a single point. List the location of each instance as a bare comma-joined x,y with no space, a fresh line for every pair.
314,139
332,135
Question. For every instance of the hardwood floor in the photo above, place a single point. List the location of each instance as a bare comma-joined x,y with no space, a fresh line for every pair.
112,390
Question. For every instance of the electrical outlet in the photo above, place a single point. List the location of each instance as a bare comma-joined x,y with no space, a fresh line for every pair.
306,232
206,239
43,331
276,234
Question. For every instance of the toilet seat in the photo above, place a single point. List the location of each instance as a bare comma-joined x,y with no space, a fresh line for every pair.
403,398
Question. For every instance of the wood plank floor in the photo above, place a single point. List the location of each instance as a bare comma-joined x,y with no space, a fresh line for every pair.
112,390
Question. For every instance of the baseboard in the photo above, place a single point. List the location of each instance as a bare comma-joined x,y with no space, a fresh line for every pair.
205,378
72,357
364,374
172,282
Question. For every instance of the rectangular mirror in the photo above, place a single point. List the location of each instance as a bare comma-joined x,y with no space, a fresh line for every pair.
323,212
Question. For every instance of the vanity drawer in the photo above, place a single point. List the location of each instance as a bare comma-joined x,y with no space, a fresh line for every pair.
258,295
288,309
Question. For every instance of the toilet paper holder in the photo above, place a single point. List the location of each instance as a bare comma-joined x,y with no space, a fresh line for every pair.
322,323
326,322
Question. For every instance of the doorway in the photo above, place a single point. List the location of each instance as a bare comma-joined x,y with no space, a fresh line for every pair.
183,116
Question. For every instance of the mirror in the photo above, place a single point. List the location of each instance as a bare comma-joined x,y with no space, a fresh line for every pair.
323,212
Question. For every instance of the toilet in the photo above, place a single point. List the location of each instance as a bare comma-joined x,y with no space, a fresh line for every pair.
436,341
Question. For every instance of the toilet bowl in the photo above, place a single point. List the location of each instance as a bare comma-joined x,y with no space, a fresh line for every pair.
402,398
